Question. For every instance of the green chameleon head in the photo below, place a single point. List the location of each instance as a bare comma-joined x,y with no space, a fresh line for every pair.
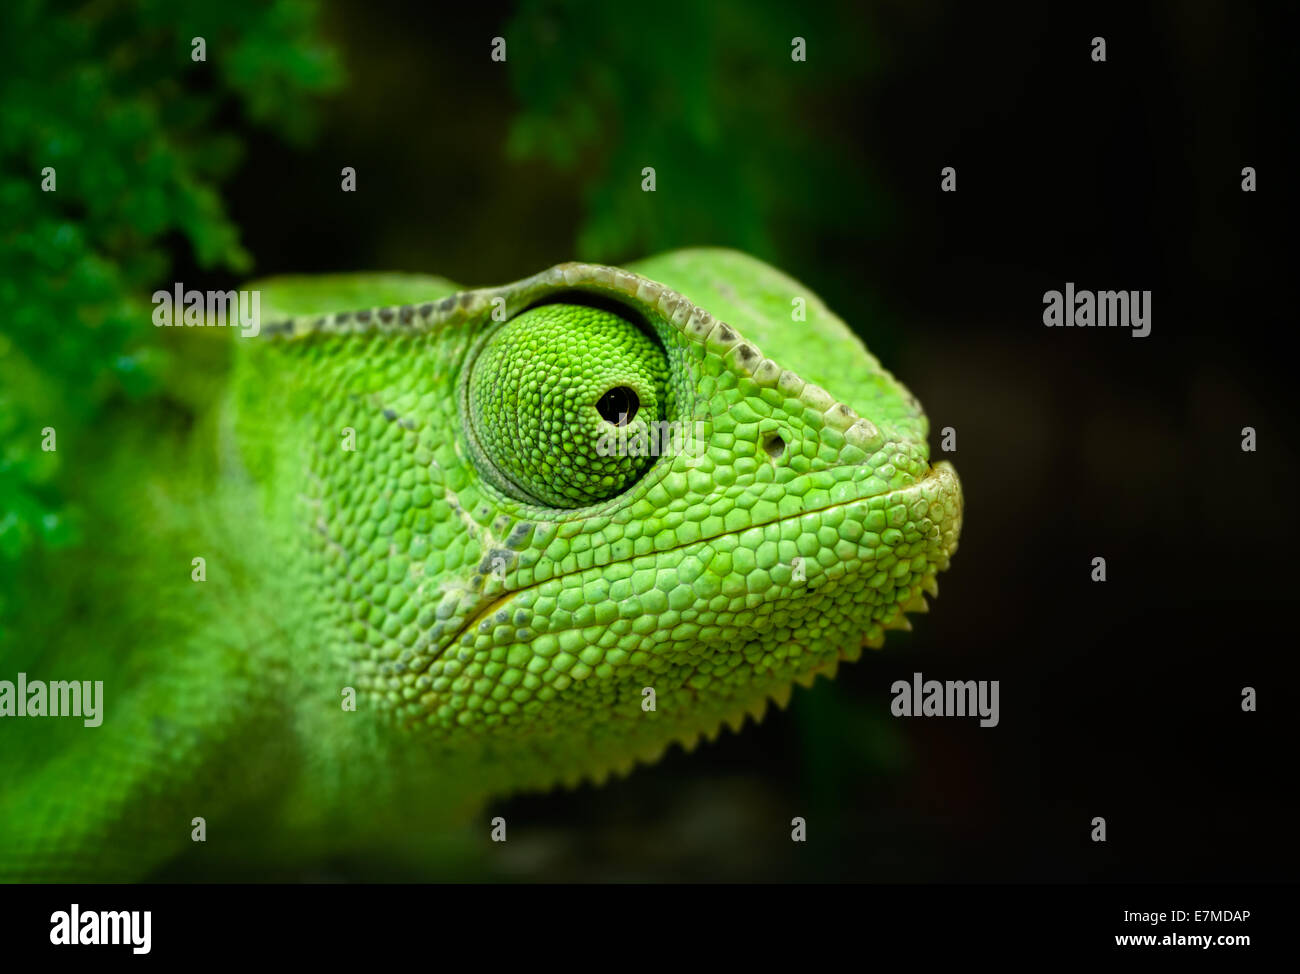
566,522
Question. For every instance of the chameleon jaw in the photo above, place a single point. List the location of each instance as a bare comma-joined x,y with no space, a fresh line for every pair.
860,600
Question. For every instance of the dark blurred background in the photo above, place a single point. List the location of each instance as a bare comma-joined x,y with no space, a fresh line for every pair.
1119,699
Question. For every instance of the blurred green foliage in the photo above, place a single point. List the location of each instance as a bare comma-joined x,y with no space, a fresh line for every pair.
137,133
709,96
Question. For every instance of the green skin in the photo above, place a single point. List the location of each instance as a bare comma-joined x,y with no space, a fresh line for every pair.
416,502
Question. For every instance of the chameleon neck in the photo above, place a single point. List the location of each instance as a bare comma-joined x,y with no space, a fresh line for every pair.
220,702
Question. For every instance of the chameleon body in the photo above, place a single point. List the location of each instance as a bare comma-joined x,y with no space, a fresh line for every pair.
534,534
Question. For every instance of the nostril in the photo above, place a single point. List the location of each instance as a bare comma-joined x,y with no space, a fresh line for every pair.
774,445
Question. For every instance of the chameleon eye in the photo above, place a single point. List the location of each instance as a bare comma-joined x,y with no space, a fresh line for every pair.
557,396
618,406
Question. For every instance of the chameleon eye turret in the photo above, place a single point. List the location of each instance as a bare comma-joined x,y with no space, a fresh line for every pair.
545,393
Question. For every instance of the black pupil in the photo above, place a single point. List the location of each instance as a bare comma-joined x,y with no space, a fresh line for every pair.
618,406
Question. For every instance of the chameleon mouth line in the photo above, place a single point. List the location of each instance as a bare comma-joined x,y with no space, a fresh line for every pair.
506,597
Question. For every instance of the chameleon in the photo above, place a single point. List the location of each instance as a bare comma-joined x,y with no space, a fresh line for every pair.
413,547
